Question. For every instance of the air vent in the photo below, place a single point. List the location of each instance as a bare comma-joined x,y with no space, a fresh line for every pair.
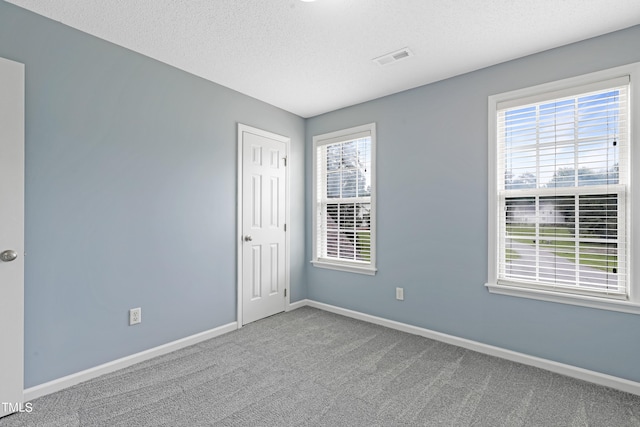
392,57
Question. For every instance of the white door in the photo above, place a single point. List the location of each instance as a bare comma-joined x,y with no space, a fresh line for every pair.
11,235
263,255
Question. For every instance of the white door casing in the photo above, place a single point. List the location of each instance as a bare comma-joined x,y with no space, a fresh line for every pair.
263,247
11,235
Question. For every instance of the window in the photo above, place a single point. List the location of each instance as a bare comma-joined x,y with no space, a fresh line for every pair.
344,200
560,197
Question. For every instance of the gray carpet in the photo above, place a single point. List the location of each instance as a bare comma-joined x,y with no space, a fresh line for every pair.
313,368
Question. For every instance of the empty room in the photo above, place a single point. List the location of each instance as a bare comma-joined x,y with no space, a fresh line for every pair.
320,213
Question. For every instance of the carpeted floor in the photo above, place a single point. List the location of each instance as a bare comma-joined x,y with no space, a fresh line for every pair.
313,368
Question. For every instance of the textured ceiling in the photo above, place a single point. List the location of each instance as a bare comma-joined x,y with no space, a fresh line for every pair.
310,58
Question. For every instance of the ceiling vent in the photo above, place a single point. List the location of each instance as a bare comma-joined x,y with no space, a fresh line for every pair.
393,57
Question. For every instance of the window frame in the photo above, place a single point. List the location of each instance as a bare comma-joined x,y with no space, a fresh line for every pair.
344,135
555,90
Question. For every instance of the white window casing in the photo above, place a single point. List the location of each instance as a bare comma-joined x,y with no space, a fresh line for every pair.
344,200
561,191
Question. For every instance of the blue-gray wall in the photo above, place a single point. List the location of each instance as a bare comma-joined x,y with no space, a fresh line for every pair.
432,218
130,197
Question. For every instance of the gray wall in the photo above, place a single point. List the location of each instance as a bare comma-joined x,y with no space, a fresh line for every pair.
130,197
432,218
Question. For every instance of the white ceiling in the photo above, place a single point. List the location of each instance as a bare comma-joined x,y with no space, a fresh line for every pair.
310,58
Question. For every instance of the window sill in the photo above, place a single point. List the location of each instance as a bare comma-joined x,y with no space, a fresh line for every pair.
350,268
580,300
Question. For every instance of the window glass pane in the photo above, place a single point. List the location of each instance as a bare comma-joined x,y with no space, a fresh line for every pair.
349,183
334,157
520,259
332,215
556,122
520,127
363,245
349,155
541,243
348,234
557,261
347,247
349,169
598,114
332,230
602,256
566,143
362,235
599,217
556,216
364,188
334,182
521,217
364,170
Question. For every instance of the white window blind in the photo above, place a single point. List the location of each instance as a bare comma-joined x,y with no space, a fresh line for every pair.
562,187
344,204
562,171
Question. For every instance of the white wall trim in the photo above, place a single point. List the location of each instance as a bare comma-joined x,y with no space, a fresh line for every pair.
73,379
295,305
549,365
622,306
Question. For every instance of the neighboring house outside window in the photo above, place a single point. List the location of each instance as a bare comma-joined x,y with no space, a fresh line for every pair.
560,191
344,200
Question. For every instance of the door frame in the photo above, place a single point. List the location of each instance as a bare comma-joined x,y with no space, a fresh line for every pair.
15,116
242,128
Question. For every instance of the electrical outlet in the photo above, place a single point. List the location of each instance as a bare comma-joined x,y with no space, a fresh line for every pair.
400,294
135,316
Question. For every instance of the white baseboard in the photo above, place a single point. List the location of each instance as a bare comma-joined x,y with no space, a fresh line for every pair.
73,379
297,304
549,365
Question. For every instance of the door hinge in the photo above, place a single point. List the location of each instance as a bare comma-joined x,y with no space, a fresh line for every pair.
285,160
285,227
285,292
